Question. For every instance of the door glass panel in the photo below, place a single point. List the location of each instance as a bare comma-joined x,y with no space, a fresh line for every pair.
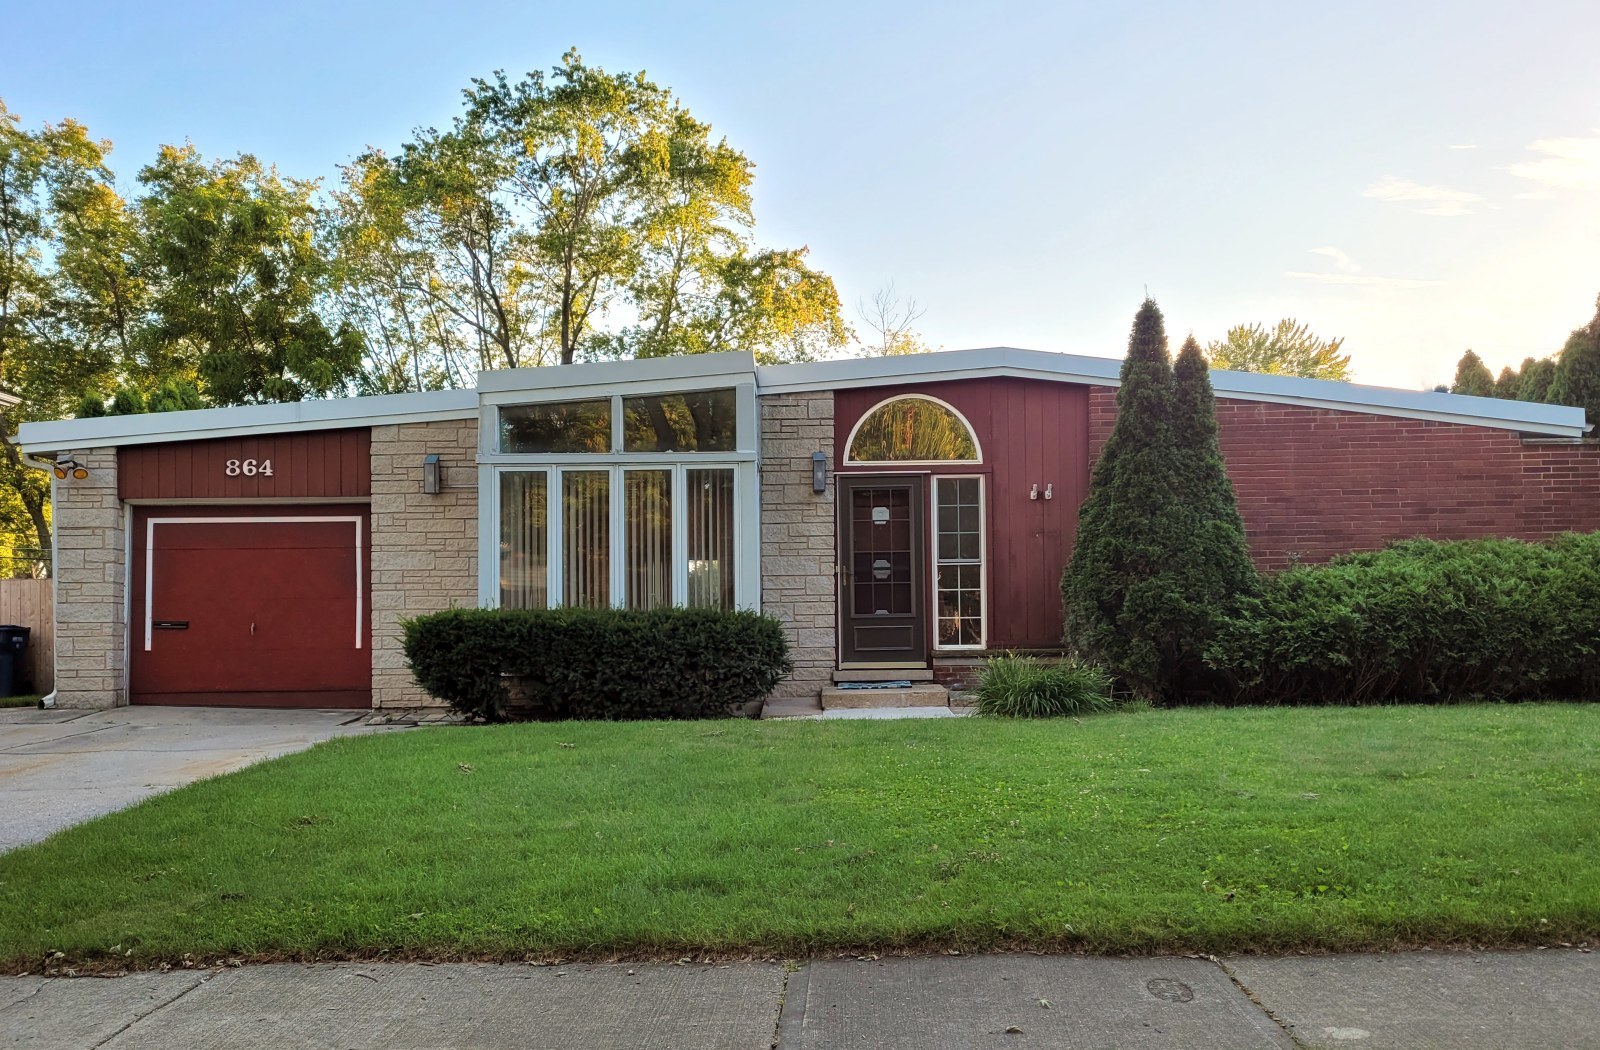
647,513
881,570
959,562
586,538
709,546
524,536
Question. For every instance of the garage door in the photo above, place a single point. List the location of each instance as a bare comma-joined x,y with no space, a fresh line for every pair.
257,608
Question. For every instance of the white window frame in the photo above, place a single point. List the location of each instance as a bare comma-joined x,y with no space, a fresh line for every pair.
935,561
850,442
743,460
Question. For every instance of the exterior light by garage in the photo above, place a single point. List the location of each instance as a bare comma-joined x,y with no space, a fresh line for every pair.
430,474
67,465
819,472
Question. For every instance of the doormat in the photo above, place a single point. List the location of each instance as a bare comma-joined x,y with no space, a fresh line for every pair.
873,685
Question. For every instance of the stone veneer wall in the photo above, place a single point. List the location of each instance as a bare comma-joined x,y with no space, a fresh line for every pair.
797,535
90,575
424,548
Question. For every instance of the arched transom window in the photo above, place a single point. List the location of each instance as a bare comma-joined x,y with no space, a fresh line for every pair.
912,429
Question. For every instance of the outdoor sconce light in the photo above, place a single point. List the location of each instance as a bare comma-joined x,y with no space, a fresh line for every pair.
430,473
819,472
67,465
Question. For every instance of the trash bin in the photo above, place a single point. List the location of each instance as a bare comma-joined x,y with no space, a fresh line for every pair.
13,646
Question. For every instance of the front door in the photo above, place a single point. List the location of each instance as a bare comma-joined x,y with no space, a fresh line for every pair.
882,564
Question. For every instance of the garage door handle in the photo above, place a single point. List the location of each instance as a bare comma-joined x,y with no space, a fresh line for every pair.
170,625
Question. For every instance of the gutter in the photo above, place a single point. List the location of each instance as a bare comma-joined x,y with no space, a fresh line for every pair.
48,701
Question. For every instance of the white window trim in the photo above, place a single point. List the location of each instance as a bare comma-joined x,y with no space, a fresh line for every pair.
983,563
850,442
746,530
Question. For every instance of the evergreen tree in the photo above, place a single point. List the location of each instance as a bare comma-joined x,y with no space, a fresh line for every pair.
1577,379
1473,377
1507,383
1213,566
1118,589
1537,375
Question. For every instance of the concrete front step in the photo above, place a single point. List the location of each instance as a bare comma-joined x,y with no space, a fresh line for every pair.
918,694
883,674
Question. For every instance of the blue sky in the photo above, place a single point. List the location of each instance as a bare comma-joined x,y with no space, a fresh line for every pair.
1025,171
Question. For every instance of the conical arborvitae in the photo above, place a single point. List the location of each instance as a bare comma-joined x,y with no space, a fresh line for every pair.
1117,590
1213,567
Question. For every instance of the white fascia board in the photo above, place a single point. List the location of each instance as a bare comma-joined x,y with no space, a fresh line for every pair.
1521,416
562,382
243,420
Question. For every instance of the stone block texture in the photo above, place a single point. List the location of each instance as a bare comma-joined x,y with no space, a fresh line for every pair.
1313,482
797,535
91,577
424,548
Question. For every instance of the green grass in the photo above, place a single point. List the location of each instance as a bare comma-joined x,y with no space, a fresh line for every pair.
1194,829
19,701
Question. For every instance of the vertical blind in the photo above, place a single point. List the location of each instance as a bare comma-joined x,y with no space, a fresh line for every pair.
647,533
586,538
709,545
523,542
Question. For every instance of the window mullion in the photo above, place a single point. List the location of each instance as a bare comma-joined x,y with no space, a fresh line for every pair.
680,536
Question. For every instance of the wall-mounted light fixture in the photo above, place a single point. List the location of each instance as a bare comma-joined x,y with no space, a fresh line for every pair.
819,472
66,465
430,473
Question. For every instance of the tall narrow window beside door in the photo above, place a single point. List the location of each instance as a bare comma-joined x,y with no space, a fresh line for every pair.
958,562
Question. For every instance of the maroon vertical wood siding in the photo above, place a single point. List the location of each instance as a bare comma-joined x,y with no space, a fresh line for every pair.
1030,432
322,464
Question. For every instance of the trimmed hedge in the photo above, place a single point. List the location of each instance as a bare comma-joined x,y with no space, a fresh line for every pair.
597,663
1422,621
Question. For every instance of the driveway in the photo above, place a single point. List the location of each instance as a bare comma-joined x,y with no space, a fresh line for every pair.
59,768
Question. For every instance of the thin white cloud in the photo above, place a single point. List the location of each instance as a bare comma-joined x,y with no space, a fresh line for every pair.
1564,164
1431,200
1536,195
1341,261
1361,280
1463,145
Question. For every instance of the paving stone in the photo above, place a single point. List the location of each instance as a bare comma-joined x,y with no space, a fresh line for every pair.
1000,1001
471,1007
1423,1000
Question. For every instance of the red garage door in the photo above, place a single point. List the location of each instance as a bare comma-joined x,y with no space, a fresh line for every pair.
250,607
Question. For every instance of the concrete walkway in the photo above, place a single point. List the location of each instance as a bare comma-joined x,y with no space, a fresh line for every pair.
1409,1001
60,767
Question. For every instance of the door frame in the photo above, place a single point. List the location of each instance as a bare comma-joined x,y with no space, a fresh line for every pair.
921,576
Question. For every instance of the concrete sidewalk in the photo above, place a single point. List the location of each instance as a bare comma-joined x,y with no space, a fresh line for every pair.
1465,1001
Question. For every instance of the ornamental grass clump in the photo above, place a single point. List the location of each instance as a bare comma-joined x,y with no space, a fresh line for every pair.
1027,687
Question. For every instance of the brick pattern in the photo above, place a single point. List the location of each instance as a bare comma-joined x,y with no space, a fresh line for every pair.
424,548
797,535
1314,482
90,574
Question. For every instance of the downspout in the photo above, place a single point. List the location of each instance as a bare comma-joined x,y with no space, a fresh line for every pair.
48,466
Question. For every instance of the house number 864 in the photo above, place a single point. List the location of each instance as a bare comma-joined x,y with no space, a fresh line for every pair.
248,467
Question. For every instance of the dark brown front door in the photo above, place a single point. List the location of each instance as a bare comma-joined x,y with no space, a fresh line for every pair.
882,582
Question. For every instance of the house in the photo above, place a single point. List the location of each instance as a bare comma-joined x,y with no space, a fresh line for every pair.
901,516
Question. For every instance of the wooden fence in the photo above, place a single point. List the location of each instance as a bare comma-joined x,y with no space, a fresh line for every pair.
29,603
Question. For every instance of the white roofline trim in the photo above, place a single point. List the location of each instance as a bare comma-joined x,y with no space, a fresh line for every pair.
711,368
244,420
945,366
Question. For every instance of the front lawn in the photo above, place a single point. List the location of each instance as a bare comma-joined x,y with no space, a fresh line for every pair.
1190,829
19,701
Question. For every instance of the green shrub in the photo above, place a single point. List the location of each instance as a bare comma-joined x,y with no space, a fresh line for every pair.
597,663
1026,687
1421,621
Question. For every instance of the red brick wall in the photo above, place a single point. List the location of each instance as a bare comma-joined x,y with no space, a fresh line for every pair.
1314,482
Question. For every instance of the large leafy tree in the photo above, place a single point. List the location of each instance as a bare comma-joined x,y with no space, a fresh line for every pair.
1577,375
553,208
235,278
1288,348
1534,379
1473,377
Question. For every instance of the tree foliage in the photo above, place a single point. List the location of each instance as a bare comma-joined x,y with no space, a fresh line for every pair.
1473,377
1577,375
891,320
1288,348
